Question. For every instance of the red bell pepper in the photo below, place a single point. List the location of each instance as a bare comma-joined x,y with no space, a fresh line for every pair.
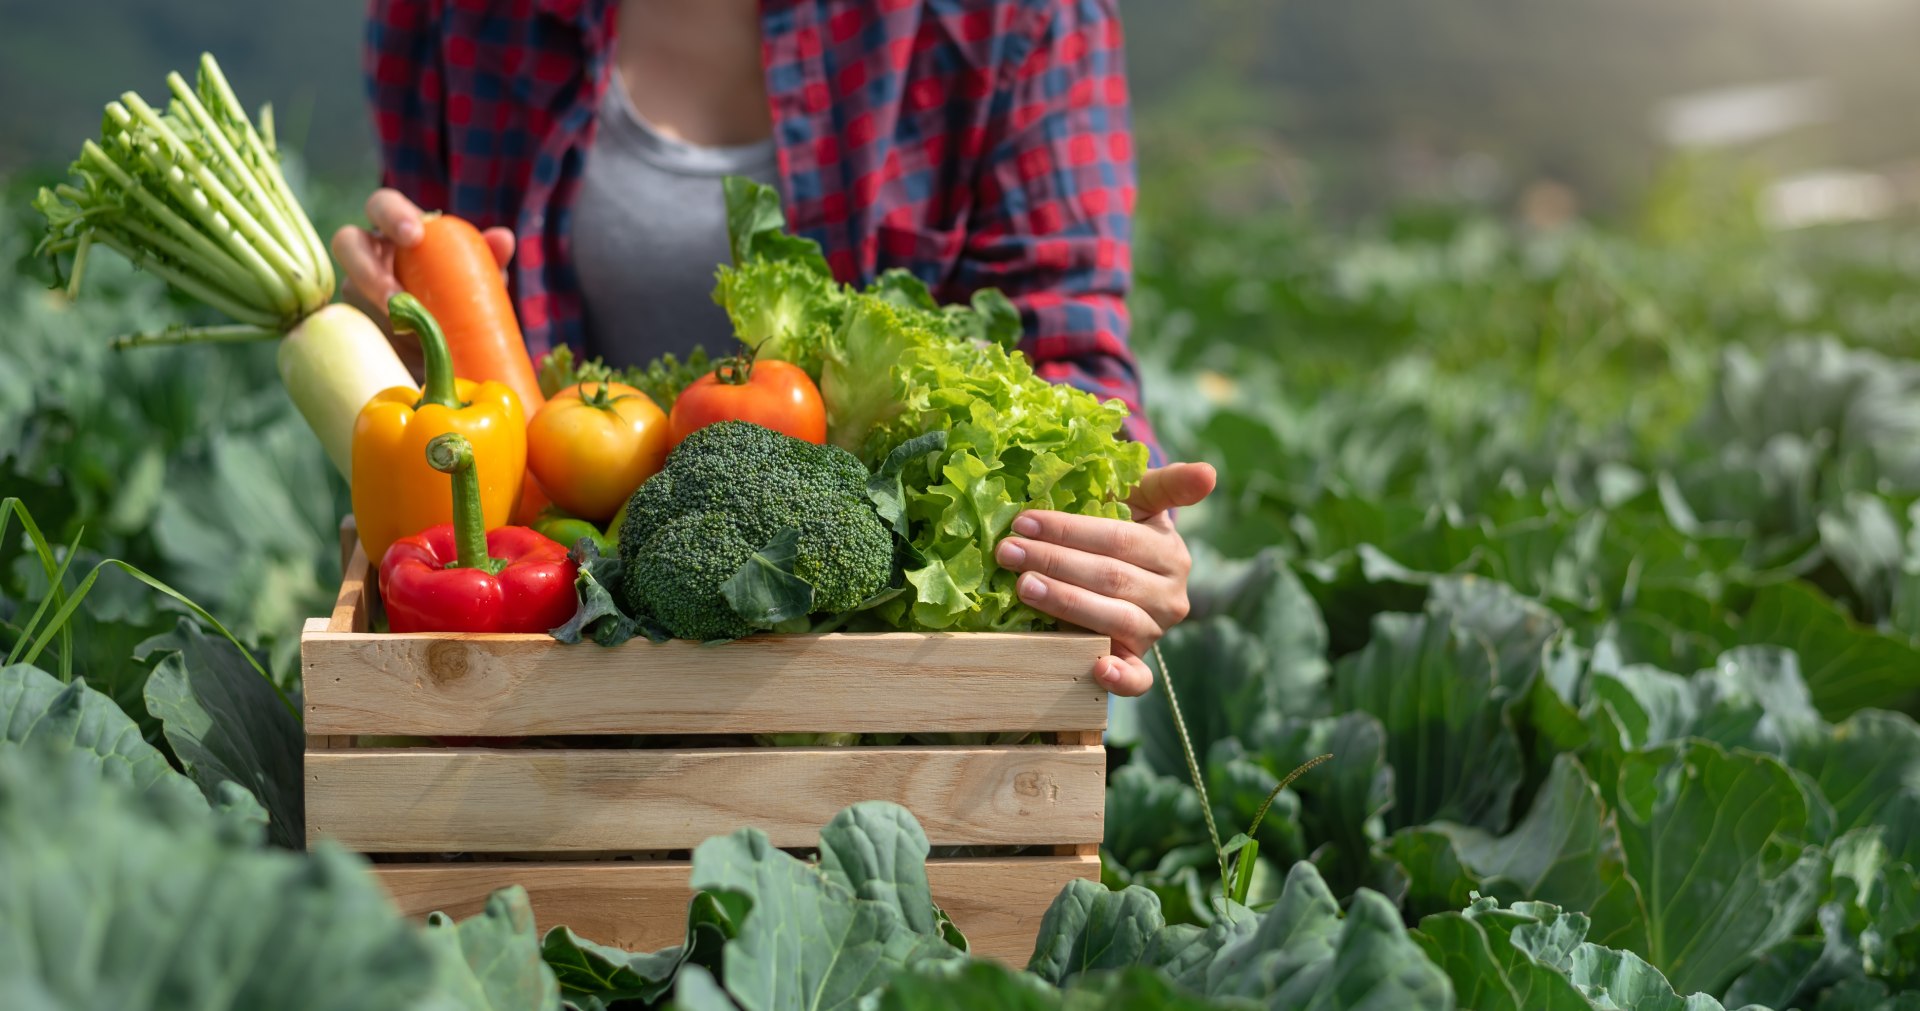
461,577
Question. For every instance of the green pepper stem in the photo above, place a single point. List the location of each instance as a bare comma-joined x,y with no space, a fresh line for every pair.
409,316
453,454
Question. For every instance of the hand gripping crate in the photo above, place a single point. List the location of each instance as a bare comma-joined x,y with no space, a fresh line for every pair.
592,831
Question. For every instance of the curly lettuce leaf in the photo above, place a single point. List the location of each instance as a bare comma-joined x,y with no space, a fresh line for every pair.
894,365
1014,442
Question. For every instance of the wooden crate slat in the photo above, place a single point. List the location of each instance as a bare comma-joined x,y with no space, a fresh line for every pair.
350,611
466,800
997,902
528,685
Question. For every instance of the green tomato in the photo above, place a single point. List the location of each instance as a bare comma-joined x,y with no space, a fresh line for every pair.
569,529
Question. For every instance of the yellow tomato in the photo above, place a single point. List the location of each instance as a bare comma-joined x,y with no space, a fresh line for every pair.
593,444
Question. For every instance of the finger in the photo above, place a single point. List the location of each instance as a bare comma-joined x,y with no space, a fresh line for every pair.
1174,486
1123,621
367,263
395,216
1123,675
500,240
1108,577
1129,542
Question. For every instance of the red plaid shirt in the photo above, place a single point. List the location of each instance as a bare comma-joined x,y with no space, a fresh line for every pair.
976,144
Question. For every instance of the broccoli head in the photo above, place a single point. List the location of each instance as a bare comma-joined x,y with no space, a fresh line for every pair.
724,493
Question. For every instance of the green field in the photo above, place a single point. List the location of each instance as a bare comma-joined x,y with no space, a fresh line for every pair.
1591,555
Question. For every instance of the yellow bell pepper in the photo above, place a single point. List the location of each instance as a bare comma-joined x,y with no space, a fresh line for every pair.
396,493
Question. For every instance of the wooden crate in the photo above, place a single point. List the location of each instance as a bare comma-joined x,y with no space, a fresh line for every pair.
580,827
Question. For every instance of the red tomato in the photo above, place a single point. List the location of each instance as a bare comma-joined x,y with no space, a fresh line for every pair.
779,395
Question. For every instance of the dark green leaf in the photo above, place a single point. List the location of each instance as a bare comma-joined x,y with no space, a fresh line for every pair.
1436,690
1088,928
1437,881
764,591
1847,667
1489,971
1705,831
1869,768
585,969
228,725
599,615
1566,851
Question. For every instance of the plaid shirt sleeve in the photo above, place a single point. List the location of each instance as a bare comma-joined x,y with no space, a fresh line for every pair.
1054,207
404,92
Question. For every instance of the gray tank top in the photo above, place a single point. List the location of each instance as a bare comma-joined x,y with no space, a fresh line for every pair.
649,227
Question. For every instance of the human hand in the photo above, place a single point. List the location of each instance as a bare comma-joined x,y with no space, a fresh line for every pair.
366,258
1125,580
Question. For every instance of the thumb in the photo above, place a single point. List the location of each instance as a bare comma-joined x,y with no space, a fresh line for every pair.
1172,487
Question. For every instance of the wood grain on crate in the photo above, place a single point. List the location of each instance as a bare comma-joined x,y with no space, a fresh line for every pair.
528,685
467,800
350,612
997,902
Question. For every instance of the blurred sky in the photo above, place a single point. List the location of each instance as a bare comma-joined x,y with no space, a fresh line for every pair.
1349,104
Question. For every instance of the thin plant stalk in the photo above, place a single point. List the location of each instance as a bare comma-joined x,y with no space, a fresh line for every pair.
58,625
235,334
1193,766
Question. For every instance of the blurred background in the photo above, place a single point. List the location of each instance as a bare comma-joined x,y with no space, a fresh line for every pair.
1348,108
1391,254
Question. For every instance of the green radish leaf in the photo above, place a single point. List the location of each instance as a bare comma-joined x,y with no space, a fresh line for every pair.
879,852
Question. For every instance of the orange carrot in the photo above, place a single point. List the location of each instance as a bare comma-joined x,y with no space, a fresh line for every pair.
453,273
451,270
